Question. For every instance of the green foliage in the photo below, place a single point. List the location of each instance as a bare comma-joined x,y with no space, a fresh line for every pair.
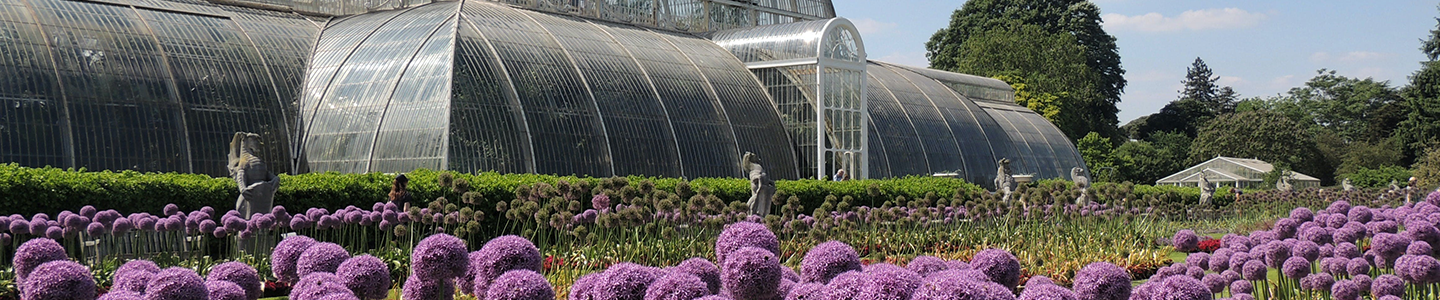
1366,155
1427,169
1097,151
1044,103
1377,178
1052,66
1201,86
1261,135
1141,162
1356,109
950,48
1201,100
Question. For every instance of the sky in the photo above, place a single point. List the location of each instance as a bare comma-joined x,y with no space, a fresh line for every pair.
1260,48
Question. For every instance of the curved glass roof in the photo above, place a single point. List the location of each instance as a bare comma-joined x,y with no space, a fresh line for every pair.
146,85
475,86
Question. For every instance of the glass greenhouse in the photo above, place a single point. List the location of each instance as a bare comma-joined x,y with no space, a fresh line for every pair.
677,88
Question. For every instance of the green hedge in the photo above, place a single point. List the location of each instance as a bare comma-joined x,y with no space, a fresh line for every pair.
50,190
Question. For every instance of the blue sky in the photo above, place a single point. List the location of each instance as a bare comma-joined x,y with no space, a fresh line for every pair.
1261,48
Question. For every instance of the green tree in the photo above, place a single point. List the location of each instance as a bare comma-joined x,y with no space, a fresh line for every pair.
1359,110
1096,151
1421,127
1263,135
1141,162
1201,99
1077,18
1051,68
1427,169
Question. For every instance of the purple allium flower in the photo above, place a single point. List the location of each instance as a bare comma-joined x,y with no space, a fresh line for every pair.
1347,250
522,284
628,281
1276,252
1422,230
848,285
1254,270
581,289
234,224
440,257
957,265
88,211
321,257
1360,214
705,270
888,282
745,234
1307,249
54,233
122,295
1388,285
241,274
1318,235
750,273
34,253
1047,292
1198,259
1356,266
1194,271
284,259
134,276
1389,246
1102,281
968,274
1181,288
600,201
170,209
1364,281
224,290
1241,287
1418,248
318,285
1285,228
787,273
999,265
366,276
57,280
95,229
1233,239
176,283
677,286
806,291
1418,269
1317,282
953,288
828,259
1038,280
498,256
1185,241
1296,267
1303,214
1219,262
924,265
1345,290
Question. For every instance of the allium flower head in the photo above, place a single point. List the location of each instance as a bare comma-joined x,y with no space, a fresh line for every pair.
318,285
322,257
1388,285
581,289
1047,292
745,234
1360,214
1296,267
1347,250
828,259
1317,282
957,265
848,285
286,255
677,286
1418,269
1307,249
807,291
1185,241
224,290
1364,281
365,275
1253,270
1389,246
1219,262
241,274
705,270
134,276
952,288
1102,281
1357,266
1419,248
787,273
59,280
1303,214
521,284
1181,288
887,281
751,273
1421,230
1241,287
122,295
501,255
95,229
34,253
176,283
626,281
1276,252
1345,290
1285,228
924,265
440,257
1000,265
1198,259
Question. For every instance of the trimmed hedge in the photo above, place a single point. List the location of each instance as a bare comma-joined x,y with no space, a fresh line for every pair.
50,190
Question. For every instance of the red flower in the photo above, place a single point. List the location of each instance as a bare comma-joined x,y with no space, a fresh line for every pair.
1209,245
551,262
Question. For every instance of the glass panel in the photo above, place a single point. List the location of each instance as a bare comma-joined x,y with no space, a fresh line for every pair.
487,127
413,130
337,43
842,45
32,129
566,130
879,159
904,150
775,42
941,148
793,89
707,143
975,145
640,137
284,42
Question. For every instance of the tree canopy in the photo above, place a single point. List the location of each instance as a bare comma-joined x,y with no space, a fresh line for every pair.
1092,106
1262,135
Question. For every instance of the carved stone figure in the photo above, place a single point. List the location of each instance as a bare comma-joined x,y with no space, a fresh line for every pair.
1283,184
1394,186
1346,185
1082,182
762,188
1207,190
257,185
1004,180
1410,190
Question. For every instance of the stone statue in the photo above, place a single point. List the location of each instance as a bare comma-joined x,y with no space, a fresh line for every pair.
1410,190
1283,184
762,188
1207,190
257,185
1004,180
1346,185
1082,182
1394,186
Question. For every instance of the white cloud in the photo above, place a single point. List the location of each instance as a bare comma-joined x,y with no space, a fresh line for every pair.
1227,18
1230,80
1283,82
1351,57
915,59
871,26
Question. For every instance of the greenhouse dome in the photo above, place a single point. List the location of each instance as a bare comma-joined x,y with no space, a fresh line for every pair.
677,88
